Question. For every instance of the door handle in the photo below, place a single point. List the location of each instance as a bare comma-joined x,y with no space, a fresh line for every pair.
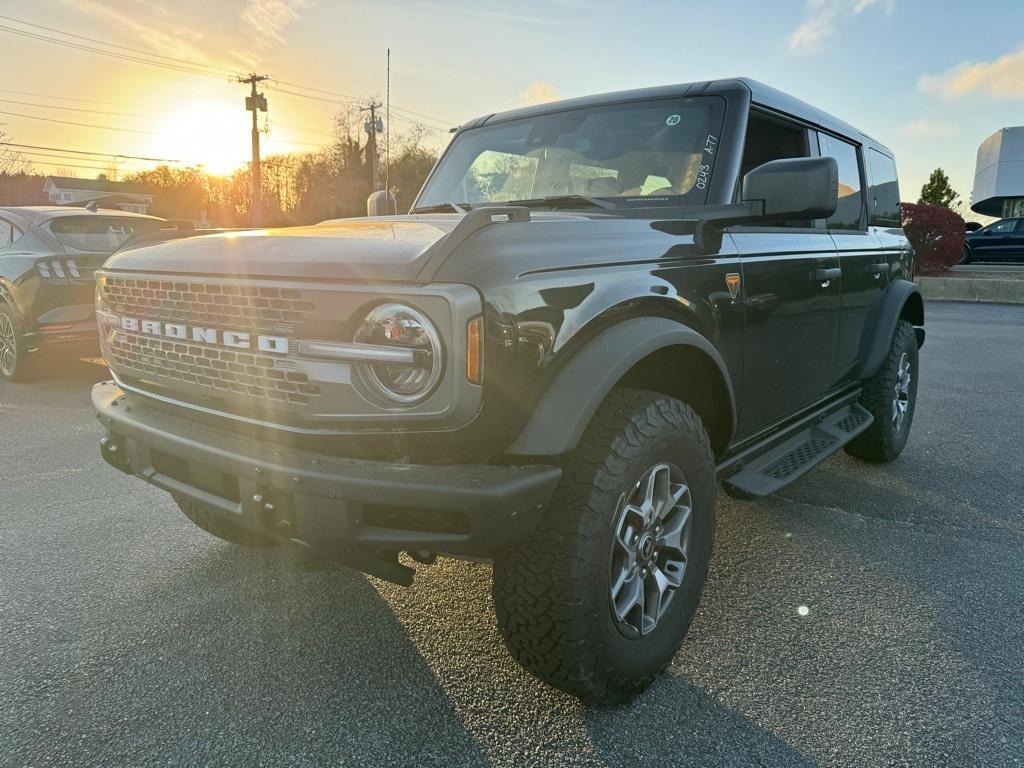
822,275
878,268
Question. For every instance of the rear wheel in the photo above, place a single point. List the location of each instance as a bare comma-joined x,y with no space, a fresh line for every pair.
214,523
890,395
15,364
599,600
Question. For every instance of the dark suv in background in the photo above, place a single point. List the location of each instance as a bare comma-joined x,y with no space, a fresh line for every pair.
1002,240
595,312
48,259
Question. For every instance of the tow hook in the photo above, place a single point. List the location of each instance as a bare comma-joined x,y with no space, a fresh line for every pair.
114,451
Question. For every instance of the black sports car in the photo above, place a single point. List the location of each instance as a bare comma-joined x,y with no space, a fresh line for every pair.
1002,240
47,259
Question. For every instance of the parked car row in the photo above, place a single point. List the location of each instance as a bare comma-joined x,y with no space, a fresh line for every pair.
1002,240
48,259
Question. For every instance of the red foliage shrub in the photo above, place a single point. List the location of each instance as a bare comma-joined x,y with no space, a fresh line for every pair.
937,235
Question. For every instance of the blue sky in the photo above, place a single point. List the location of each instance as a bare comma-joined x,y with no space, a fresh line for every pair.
930,79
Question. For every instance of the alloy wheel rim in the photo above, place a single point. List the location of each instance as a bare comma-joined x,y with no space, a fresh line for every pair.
901,391
8,346
651,548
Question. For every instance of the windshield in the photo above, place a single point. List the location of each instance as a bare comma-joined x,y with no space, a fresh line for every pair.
100,234
659,152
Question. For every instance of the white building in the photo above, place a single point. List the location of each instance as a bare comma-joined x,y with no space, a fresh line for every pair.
136,198
999,175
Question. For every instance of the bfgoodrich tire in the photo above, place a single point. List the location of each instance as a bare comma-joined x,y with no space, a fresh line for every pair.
599,600
891,396
213,522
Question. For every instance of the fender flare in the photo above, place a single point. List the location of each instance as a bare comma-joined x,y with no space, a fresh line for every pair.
898,296
566,408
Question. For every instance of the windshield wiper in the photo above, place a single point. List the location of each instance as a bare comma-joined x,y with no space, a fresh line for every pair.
442,207
564,201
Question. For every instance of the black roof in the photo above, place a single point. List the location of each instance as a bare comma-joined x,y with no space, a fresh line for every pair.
760,94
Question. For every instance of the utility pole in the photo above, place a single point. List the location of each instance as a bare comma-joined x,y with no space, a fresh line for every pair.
373,126
255,102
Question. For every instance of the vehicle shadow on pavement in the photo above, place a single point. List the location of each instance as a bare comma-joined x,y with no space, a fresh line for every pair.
235,657
677,723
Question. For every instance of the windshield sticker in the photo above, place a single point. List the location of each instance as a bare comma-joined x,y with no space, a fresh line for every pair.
704,171
672,120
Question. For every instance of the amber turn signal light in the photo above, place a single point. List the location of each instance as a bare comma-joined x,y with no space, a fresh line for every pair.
475,350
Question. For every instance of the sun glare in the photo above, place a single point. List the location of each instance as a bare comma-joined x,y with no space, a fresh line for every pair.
213,135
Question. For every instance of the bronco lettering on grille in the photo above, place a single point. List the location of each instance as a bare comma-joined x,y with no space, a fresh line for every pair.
199,335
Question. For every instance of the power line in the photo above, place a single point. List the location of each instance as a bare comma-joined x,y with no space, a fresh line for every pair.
140,56
225,72
81,109
190,70
74,157
66,98
81,125
348,97
85,152
353,100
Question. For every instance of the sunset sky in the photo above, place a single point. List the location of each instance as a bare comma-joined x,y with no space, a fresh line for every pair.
931,80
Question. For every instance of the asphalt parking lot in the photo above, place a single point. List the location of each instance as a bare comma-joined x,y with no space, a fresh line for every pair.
129,638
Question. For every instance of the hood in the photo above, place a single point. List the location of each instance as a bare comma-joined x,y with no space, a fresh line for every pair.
367,249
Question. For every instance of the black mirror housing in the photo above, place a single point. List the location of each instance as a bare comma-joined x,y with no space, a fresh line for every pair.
794,188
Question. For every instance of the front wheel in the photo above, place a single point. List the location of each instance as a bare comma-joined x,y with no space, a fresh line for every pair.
891,396
965,255
599,600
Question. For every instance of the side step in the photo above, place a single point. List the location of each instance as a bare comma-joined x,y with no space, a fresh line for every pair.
781,465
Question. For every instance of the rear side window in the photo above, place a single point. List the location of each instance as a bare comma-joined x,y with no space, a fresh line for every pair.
100,234
884,191
1004,227
849,211
6,233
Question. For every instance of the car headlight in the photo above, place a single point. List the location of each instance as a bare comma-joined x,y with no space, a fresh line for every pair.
418,362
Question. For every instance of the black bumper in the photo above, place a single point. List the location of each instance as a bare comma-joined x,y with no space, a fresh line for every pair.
343,508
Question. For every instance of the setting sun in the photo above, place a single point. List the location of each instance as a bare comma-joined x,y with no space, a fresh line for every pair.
213,135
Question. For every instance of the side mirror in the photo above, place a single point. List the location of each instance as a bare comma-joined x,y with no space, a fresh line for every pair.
381,203
795,188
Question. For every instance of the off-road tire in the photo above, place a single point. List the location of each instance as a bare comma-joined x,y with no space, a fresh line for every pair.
882,442
25,367
551,593
213,522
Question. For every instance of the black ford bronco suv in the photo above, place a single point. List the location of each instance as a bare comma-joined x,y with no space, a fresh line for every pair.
595,311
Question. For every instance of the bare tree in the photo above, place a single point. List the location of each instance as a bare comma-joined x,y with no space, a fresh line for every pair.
12,162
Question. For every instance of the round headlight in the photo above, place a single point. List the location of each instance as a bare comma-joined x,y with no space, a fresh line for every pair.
413,376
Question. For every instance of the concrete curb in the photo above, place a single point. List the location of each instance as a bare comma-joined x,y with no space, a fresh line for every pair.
982,289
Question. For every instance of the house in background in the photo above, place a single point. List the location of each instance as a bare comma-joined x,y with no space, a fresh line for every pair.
135,198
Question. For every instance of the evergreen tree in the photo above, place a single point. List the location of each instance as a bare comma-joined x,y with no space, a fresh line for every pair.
938,191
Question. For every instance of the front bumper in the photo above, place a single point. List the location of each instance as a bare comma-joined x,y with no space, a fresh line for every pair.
355,511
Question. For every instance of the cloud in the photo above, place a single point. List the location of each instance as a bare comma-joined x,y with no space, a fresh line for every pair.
539,92
1001,79
167,39
267,19
928,128
822,19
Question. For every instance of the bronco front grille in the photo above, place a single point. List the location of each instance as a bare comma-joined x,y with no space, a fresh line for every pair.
227,306
219,370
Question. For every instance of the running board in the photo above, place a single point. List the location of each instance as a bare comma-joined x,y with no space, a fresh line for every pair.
781,465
